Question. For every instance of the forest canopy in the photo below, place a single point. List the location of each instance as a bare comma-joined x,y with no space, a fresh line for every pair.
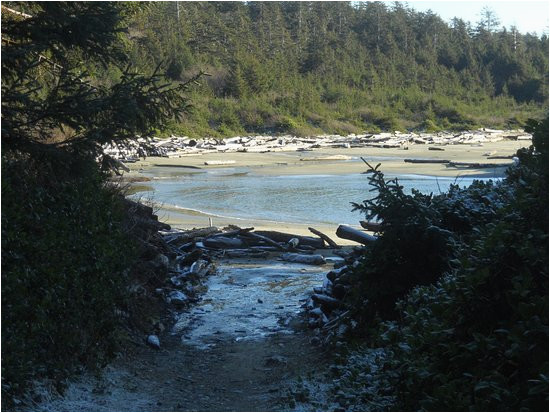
345,67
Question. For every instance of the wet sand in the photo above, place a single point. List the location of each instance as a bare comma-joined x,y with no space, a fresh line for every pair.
188,219
292,163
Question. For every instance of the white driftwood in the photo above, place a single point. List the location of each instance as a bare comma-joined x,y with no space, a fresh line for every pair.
353,234
303,259
328,240
219,162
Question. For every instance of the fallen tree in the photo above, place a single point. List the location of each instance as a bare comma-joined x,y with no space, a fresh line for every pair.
327,239
353,234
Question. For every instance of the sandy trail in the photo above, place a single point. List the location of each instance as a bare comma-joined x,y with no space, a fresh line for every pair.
238,376
236,350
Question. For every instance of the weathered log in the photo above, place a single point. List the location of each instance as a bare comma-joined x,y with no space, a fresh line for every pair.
233,232
223,243
266,240
240,253
194,233
200,268
426,160
303,259
501,157
328,240
219,162
371,226
285,237
328,158
478,165
326,300
166,165
264,248
353,234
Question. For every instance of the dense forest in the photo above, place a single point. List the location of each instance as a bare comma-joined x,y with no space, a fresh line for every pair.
312,67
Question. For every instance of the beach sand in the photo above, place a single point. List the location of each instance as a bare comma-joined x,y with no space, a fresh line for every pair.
292,163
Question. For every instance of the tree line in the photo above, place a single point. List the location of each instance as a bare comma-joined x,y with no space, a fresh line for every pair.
306,67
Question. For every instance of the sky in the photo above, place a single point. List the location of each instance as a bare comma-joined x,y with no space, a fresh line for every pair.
527,16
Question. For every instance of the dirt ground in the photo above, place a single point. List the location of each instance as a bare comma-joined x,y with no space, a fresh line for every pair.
217,368
234,376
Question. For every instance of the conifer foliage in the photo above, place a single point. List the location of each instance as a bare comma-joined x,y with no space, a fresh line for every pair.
67,87
343,66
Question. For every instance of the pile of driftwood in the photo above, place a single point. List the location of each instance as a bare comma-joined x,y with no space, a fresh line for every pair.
326,309
234,242
477,165
175,147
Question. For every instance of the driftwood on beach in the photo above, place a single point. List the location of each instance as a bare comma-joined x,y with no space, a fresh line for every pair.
371,226
327,239
245,242
303,259
426,160
285,238
177,147
353,234
478,165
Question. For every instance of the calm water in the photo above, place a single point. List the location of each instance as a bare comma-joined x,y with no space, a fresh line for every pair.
234,192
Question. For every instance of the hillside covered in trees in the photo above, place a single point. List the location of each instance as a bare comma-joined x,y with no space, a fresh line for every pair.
76,75
312,67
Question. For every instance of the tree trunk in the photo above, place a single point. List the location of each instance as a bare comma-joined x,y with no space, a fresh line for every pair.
353,234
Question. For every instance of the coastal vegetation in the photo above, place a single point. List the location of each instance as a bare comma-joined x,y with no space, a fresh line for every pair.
67,242
455,292
340,67
456,286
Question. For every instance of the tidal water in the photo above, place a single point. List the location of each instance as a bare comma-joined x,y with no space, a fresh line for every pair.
245,194
249,300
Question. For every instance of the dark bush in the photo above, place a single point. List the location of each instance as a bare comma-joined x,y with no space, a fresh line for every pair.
421,236
476,339
63,258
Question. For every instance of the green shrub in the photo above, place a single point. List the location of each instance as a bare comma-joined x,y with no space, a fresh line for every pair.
478,340
381,118
63,258
429,126
474,336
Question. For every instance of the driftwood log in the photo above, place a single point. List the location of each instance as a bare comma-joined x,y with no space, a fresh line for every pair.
192,234
353,234
328,240
303,259
223,243
426,160
371,226
501,157
285,237
266,239
234,232
478,165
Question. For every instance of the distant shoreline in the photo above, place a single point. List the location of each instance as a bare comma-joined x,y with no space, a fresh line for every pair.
288,163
